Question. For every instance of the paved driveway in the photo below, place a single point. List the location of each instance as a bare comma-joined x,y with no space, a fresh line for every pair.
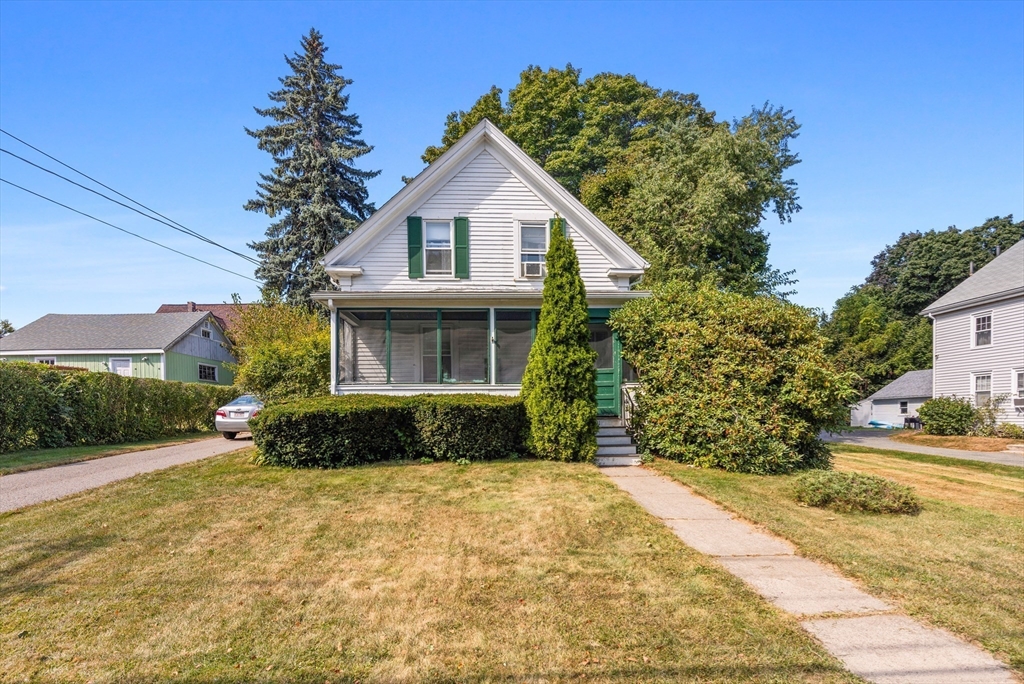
35,486
879,440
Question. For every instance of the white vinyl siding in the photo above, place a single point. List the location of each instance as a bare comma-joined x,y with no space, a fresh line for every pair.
491,197
958,361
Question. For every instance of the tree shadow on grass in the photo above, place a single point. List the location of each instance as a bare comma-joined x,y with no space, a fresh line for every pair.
40,564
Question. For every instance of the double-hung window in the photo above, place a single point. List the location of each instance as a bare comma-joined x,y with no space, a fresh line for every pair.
533,246
983,330
1018,384
904,408
438,247
982,389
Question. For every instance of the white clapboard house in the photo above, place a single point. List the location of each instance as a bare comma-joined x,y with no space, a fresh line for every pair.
440,290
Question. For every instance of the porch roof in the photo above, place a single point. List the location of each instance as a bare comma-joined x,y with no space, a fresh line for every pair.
442,298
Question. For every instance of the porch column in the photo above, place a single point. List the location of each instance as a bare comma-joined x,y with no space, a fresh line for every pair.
492,346
334,345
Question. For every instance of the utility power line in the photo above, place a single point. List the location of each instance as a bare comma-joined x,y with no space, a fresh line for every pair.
165,220
107,223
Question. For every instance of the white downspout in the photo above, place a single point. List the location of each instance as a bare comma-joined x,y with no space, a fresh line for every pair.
334,346
163,366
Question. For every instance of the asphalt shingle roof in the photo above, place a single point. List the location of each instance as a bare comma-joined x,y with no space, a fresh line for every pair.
910,384
226,314
1005,273
102,331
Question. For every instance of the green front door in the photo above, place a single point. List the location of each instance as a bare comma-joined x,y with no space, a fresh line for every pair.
608,365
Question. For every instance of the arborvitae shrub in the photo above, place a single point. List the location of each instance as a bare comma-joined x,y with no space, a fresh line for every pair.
947,416
728,381
332,432
560,383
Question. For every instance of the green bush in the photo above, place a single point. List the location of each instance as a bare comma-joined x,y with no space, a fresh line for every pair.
43,407
728,381
947,416
1009,431
560,383
847,492
331,432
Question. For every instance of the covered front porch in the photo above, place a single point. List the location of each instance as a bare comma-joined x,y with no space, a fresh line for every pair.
455,342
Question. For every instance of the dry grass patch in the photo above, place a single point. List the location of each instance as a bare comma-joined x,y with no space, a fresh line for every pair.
957,564
516,571
952,442
33,459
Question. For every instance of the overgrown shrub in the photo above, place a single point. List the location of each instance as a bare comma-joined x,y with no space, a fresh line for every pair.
947,416
283,351
847,492
1009,431
728,381
331,432
42,407
560,383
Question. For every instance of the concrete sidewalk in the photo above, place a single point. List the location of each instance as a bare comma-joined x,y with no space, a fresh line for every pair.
35,486
866,634
879,440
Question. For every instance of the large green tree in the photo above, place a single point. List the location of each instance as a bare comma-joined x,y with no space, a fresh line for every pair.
314,191
875,329
687,191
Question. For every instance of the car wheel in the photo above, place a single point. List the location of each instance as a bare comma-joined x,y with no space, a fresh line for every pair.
229,435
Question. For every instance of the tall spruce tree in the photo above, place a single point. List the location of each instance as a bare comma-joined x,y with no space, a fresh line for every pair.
314,190
560,383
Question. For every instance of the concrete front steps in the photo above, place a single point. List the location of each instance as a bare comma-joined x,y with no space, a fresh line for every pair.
614,445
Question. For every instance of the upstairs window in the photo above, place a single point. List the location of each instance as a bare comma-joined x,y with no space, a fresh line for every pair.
438,246
206,333
1019,384
983,330
533,246
982,389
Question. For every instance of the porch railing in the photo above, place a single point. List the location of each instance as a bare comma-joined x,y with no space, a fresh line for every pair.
629,406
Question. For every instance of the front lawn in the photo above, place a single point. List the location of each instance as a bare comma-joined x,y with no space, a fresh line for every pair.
953,442
32,459
506,571
957,564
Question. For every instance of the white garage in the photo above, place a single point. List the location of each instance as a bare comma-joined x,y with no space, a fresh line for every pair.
898,400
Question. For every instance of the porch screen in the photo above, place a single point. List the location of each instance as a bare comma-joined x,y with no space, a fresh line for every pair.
413,333
513,334
466,346
362,346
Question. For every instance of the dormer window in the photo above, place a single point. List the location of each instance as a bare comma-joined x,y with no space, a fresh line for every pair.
438,247
533,246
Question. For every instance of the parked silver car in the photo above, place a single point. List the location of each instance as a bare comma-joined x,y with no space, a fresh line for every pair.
234,417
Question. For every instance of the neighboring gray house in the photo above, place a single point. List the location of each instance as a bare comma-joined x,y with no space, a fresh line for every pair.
978,336
190,347
898,400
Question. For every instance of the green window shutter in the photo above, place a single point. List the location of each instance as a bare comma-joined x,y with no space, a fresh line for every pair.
414,230
565,225
461,247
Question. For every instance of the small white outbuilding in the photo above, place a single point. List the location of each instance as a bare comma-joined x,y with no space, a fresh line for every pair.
898,400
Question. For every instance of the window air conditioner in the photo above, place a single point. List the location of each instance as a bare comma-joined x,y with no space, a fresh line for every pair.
533,269
1018,402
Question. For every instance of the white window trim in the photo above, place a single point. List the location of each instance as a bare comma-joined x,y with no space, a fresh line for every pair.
51,360
904,407
991,330
451,241
1017,387
216,375
517,220
974,385
131,365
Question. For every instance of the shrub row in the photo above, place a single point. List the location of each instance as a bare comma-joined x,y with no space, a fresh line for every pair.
330,432
43,407
846,492
952,416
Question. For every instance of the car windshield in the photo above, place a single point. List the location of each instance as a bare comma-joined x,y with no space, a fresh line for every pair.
245,400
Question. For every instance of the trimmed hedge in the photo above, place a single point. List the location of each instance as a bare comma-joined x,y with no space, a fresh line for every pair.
43,407
847,492
331,432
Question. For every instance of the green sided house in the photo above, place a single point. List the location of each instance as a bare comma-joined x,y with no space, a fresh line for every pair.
440,290
189,347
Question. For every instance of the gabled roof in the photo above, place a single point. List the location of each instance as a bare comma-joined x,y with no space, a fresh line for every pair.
1000,278
225,314
102,332
484,135
912,384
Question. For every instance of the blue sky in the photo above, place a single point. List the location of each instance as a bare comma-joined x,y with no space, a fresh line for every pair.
913,118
